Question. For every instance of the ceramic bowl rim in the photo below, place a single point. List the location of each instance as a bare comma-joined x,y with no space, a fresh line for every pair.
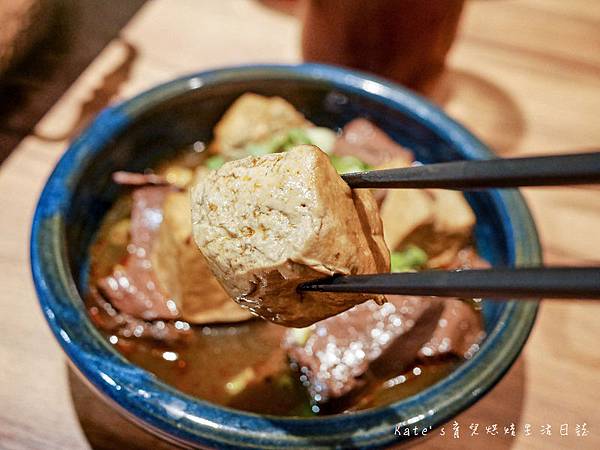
206,423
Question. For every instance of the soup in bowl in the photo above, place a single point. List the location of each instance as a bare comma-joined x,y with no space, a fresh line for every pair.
135,304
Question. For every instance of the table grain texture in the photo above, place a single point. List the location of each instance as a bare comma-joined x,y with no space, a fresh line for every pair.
524,75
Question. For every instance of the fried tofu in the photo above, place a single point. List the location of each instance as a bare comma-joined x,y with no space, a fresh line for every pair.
253,118
438,221
452,227
266,224
404,212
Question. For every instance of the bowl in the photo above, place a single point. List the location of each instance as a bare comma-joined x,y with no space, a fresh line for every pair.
149,127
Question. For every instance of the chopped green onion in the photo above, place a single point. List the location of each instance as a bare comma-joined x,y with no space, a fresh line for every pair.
239,382
301,335
283,141
322,137
255,149
214,162
348,164
272,145
411,258
284,381
304,409
296,136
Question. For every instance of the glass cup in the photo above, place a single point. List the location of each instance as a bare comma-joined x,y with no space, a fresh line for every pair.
403,40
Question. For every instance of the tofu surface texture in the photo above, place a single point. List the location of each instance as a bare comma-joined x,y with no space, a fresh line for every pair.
266,224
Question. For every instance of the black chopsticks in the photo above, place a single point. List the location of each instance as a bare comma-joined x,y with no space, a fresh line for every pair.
497,283
580,168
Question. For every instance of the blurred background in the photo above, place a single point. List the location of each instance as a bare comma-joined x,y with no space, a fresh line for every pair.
523,75
44,47
466,56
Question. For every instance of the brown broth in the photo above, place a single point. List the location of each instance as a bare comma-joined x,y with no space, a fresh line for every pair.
208,366
218,354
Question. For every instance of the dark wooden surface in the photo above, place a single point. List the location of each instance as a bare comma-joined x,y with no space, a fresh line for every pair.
79,30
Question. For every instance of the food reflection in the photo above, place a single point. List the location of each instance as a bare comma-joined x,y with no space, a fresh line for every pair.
155,297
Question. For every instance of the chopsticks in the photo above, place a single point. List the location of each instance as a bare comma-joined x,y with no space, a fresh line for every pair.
497,283
580,168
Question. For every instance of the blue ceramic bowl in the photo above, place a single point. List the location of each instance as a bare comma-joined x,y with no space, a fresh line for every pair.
139,132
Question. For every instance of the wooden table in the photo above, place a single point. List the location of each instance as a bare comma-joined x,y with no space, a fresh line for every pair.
524,76
72,40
